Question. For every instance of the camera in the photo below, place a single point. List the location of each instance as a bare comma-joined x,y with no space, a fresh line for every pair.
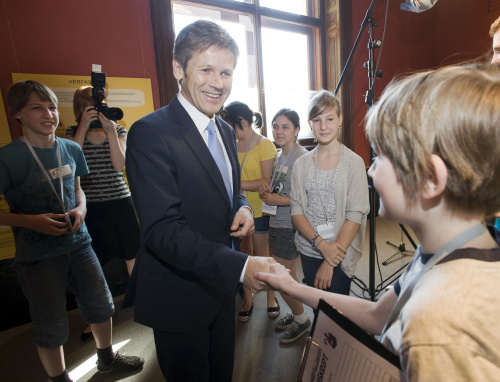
98,82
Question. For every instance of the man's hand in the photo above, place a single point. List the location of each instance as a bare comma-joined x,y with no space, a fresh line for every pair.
332,252
243,224
279,278
257,264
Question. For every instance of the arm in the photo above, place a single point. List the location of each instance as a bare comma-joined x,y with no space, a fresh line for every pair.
334,252
117,146
243,223
369,315
254,184
275,199
44,223
80,210
89,114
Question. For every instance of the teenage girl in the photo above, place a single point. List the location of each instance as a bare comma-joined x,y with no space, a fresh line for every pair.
330,202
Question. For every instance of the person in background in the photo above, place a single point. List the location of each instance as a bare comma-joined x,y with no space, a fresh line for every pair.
329,203
256,155
439,173
495,34
111,218
495,59
40,178
183,171
286,128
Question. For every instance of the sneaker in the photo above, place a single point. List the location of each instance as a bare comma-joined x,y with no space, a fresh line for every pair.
122,363
295,331
284,322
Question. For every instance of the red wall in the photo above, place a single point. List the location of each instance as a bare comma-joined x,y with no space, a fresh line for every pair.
452,31
67,37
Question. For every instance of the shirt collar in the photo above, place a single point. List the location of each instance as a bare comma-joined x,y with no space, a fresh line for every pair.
199,119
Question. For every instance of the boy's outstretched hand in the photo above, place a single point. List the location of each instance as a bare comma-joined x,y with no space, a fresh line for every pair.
279,278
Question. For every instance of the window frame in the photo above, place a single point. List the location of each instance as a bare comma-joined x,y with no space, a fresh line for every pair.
163,35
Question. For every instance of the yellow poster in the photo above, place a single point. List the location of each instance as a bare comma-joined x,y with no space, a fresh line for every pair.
133,95
7,247
4,125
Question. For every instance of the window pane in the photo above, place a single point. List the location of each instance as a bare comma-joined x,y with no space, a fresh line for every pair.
293,6
286,74
241,28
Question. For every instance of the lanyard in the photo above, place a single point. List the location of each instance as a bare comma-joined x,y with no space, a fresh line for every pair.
276,177
246,152
341,154
44,171
452,245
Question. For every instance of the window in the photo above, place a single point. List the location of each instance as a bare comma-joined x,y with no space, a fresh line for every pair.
277,41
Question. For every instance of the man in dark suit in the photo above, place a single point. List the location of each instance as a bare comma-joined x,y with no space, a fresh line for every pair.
191,214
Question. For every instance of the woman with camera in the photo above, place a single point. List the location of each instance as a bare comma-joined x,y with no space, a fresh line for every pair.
111,219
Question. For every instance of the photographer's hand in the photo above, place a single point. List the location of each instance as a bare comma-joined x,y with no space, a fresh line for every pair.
117,146
108,126
89,114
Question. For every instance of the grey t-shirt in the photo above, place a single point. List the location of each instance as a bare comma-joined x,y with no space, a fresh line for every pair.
283,185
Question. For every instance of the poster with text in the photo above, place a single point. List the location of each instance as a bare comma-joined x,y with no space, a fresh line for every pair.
133,95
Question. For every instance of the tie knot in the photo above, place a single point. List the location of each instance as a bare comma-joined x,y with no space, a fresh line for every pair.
211,127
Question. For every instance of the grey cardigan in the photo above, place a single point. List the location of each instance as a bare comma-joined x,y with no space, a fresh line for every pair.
351,195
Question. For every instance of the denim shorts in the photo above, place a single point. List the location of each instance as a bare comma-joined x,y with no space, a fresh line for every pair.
281,243
44,284
262,224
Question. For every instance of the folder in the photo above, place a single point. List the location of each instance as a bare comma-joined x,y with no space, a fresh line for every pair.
338,350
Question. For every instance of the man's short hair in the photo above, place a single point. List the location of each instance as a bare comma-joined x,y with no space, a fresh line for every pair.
19,95
494,27
453,112
200,36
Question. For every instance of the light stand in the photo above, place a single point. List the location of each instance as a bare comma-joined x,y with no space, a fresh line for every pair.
401,248
373,73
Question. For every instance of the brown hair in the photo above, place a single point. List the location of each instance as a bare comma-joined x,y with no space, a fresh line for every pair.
321,103
198,37
452,112
20,93
494,27
81,99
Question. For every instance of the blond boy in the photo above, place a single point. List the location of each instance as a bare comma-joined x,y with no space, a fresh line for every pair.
437,171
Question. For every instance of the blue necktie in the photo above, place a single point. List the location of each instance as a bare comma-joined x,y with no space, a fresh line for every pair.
217,152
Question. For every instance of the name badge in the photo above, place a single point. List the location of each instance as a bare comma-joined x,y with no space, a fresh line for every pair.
271,210
60,171
327,231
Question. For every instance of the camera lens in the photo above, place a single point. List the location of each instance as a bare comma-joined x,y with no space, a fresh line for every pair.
113,113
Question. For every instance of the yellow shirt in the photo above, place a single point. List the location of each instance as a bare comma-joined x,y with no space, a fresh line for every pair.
252,170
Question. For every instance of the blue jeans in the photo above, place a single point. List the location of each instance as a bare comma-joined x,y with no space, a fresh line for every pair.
341,283
44,284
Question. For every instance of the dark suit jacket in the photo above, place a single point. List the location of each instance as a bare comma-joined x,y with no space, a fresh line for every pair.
185,271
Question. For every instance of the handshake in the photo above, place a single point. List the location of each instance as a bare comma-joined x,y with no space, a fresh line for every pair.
263,273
